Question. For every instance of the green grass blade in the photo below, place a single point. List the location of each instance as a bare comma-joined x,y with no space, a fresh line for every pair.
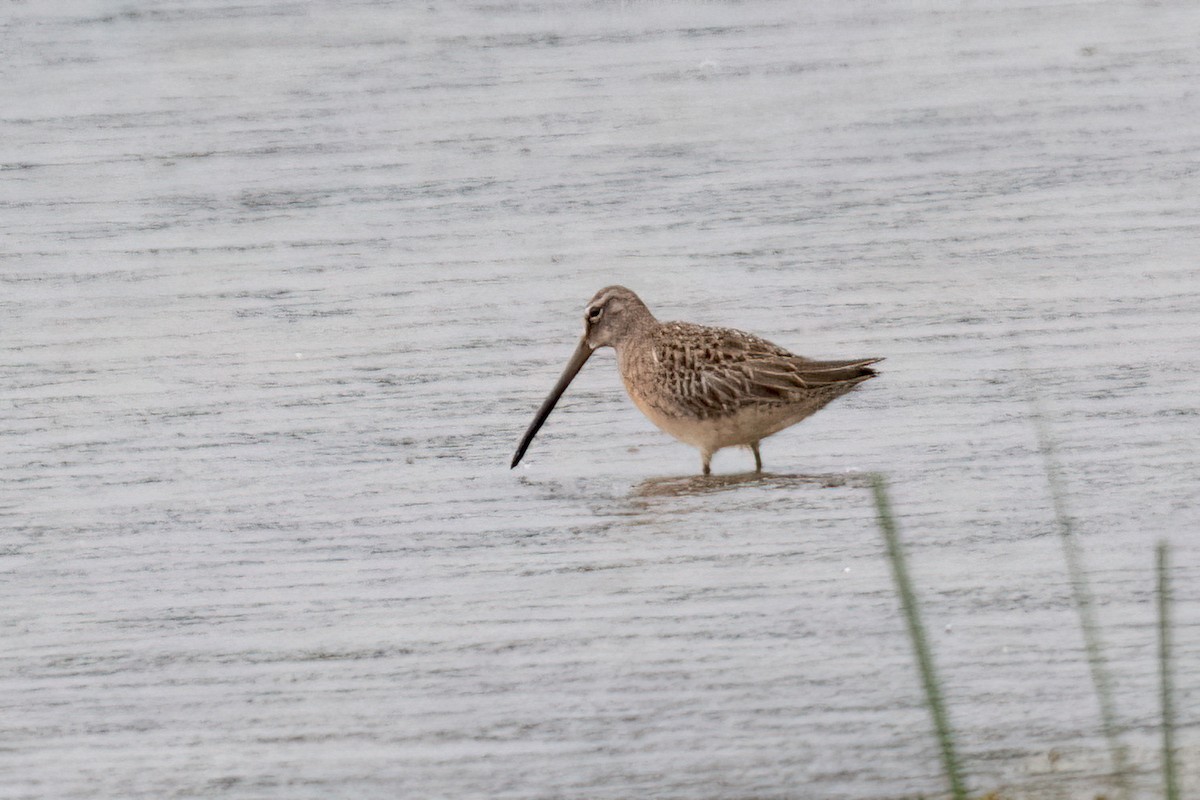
916,632
1084,605
1170,781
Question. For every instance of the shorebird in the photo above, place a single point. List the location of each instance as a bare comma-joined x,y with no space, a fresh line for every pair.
708,387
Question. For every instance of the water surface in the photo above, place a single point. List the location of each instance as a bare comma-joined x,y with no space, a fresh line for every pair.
282,284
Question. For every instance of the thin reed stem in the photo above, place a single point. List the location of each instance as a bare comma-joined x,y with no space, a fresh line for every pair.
1166,684
920,643
1084,605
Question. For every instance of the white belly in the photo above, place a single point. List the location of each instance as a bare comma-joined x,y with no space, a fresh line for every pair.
709,435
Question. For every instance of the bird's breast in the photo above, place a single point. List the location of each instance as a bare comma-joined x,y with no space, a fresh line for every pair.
653,384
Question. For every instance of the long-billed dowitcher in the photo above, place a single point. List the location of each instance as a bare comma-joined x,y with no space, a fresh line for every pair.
708,387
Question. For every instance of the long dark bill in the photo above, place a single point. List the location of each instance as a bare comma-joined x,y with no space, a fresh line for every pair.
578,358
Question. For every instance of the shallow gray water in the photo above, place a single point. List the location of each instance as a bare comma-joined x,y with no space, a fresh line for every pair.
282,284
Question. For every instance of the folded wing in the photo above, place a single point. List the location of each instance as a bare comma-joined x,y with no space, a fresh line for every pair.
720,371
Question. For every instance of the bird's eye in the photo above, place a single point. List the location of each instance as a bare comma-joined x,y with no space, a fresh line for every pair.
595,312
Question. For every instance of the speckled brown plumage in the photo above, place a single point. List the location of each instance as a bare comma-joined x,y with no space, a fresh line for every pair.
708,387
693,370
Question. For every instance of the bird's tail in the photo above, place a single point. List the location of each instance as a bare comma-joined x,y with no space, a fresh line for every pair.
854,370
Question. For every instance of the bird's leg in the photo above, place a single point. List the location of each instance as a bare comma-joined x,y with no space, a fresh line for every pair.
757,457
707,456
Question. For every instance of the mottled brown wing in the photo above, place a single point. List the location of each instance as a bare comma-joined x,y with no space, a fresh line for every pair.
717,371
